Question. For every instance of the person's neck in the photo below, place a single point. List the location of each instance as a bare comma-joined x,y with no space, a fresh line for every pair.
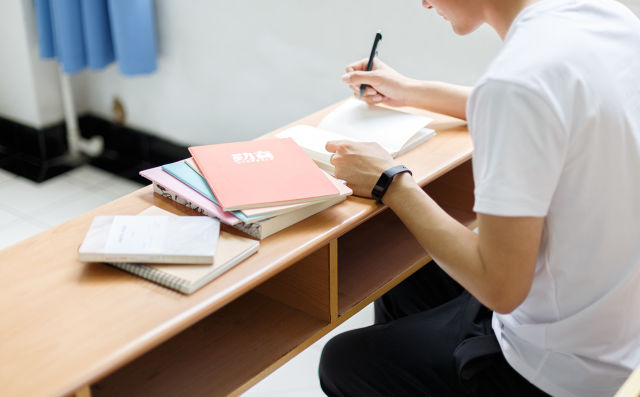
501,13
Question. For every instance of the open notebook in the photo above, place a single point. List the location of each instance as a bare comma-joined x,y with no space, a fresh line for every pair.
230,251
354,120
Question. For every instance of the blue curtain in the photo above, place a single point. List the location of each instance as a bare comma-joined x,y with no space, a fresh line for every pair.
95,33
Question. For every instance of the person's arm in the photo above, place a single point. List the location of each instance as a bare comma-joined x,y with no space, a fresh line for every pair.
394,89
496,266
520,145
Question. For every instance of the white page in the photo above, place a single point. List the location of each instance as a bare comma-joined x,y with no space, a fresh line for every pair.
358,121
312,138
162,235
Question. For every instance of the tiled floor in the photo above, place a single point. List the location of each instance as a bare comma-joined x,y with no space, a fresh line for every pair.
27,208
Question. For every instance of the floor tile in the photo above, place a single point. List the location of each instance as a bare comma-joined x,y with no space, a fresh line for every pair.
47,204
17,231
25,196
89,176
118,187
7,216
14,191
6,175
61,212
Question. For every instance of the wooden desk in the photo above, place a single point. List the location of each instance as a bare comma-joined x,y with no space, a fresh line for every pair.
65,325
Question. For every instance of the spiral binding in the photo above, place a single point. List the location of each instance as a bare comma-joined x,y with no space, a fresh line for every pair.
155,275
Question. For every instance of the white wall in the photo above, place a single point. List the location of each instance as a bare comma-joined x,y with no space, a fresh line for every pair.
634,5
17,87
235,70
29,88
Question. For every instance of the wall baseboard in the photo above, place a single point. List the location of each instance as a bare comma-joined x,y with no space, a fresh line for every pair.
39,154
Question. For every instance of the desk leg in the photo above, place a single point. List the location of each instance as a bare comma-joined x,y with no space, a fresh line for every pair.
83,392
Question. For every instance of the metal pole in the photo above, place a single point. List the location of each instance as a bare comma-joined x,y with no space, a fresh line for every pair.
77,145
70,117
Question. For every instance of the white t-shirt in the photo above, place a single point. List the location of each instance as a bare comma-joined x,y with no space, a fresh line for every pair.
555,123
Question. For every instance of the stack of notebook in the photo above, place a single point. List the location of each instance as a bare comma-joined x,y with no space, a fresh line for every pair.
265,185
259,187
182,253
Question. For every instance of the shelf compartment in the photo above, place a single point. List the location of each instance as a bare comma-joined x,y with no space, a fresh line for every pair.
223,354
380,253
306,284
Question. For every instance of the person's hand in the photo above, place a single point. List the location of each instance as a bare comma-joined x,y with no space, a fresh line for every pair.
385,84
359,163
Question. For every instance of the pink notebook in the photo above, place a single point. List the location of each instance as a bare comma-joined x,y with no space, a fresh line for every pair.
162,178
261,173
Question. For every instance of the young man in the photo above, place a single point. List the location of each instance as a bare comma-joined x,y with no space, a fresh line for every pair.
546,297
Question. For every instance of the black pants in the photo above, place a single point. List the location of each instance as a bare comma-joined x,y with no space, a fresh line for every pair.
430,337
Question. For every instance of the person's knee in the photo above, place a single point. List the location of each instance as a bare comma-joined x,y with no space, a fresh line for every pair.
331,369
343,359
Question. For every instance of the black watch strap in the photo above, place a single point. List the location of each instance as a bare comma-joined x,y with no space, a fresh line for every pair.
385,181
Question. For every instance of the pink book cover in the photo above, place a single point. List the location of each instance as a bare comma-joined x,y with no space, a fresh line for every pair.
166,180
261,173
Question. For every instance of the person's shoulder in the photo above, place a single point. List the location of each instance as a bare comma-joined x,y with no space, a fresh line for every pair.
555,40
532,48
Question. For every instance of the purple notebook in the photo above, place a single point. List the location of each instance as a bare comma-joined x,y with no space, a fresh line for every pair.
195,199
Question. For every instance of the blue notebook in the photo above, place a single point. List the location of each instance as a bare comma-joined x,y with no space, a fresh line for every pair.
191,178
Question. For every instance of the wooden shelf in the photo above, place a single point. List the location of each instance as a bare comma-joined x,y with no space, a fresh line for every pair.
454,192
224,353
381,252
372,255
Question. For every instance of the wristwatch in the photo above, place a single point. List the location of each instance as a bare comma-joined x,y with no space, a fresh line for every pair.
385,181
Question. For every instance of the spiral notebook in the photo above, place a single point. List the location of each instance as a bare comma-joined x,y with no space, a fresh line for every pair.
151,239
231,250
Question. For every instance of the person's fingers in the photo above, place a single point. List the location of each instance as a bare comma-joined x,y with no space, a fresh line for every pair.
370,91
331,147
372,78
374,99
370,96
357,65
336,146
367,92
388,101
378,64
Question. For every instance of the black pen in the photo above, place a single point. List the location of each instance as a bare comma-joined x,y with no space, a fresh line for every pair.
374,52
